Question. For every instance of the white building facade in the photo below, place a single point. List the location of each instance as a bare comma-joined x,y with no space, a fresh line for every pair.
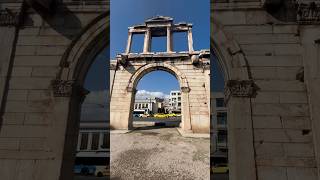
93,139
175,101
219,128
149,105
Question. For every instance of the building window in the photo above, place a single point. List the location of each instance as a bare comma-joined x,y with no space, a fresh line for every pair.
219,102
179,93
136,106
139,106
147,105
84,141
105,141
179,98
222,137
95,141
222,118
179,104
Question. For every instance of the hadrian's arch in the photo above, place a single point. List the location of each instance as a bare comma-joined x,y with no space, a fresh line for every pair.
272,131
267,58
191,68
124,88
68,86
238,101
68,49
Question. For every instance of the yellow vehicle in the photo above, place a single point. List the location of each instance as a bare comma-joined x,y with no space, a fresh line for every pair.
160,115
220,168
172,115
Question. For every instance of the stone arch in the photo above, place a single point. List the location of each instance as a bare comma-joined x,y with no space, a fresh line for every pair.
68,87
184,87
183,82
92,39
228,52
239,89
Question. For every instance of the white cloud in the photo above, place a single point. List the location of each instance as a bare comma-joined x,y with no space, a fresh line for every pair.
141,94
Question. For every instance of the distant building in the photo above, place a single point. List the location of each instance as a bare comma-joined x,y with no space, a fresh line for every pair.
93,137
175,101
150,105
219,128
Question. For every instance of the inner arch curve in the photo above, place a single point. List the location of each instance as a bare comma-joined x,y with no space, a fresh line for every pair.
143,70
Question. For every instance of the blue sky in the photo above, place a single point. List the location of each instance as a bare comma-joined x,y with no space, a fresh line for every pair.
97,78
164,82
125,13
217,79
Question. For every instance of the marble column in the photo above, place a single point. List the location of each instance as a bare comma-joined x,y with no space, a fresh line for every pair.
146,45
129,42
169,39
190,40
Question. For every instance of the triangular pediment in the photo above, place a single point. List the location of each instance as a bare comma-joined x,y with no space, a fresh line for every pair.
159,19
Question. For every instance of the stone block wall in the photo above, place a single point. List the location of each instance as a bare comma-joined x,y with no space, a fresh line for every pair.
32,133
273,135
273,54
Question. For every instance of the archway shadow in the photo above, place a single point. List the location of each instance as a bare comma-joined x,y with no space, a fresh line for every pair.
59,18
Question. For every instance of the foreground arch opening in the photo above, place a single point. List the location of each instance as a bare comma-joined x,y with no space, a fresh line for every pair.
92,150
157,101
86,147
219,123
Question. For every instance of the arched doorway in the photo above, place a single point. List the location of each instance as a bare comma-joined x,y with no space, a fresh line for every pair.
122,118
157,101
69,92
239,91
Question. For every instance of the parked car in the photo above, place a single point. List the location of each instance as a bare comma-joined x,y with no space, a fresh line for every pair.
145,115
172,115
220,168
102,171
160,115
138,113
84,169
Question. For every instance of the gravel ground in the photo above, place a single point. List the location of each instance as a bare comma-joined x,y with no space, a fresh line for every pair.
159,153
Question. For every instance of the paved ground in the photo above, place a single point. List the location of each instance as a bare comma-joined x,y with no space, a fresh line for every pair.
159,153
